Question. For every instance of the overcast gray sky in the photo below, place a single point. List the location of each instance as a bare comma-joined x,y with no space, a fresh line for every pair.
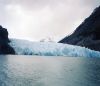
39,19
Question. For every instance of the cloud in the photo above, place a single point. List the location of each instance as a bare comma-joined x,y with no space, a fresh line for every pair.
37,19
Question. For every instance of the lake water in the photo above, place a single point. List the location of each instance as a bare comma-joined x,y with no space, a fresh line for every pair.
49,71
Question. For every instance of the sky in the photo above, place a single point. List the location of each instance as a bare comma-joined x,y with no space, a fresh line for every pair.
42,19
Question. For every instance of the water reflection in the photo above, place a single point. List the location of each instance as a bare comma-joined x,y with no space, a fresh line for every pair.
49,71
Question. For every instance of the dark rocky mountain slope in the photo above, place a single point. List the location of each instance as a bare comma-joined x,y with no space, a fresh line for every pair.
88,33
5,48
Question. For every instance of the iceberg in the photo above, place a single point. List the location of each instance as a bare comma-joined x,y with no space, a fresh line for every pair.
23,47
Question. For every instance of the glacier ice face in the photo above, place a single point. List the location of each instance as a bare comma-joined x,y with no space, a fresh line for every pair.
23,47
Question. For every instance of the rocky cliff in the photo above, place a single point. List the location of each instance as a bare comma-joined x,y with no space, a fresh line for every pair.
5,48
88,33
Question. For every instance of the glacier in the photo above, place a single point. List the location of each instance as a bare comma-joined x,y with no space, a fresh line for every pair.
24,47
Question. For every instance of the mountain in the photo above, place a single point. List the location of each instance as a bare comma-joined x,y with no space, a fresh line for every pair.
5,48
87,34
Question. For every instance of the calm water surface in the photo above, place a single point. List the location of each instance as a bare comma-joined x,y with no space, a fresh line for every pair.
49,71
